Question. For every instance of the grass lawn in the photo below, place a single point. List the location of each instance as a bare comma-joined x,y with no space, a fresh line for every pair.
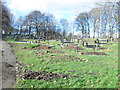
93,71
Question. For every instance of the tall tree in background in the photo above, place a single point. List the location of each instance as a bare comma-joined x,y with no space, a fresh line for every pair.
95,15
34,21
6,19
21,25
64,24
82,21
109,18
28,23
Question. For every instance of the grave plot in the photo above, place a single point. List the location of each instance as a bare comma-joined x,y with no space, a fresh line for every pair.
37,47
41,53
92,53
66,58
42,47
53,51
101,48
73,47
44,75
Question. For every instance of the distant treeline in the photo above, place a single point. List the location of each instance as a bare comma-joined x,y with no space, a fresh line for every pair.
103,20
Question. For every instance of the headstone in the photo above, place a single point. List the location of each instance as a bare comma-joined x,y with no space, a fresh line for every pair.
16,38
86,44
78,40
83,43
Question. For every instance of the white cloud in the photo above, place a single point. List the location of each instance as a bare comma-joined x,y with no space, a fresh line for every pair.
59,8
24,5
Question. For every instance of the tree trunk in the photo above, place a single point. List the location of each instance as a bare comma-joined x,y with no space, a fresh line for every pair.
94,29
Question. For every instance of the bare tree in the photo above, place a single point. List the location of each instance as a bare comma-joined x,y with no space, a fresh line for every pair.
95,16
64,24
82,22
6,19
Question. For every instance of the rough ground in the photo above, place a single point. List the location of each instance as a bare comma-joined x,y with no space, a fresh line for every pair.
44,75
93,53
7,64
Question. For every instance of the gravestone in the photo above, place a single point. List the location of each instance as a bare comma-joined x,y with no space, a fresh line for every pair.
16,38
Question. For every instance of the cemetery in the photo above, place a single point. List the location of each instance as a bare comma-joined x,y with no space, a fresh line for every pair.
59,44
48,62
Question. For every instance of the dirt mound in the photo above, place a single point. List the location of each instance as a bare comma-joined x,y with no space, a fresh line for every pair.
54,51
48,51
92,53
38,47
66,57
73,47
44,75
42,47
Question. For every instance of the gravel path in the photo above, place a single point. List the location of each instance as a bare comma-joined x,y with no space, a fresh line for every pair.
7,64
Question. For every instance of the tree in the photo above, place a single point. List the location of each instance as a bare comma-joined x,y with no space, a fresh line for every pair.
95,15
64,24
82,22
109,18
6,19
69,37
33,21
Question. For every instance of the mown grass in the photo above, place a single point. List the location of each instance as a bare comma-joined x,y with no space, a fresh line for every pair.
105,67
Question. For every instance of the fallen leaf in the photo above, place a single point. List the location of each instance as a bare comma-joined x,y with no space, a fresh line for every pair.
92,85
88,81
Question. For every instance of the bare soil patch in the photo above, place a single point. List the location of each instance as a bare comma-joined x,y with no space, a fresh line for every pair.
41,53
44,75
54,51
92,53
73,47
43,47
67,57
38,47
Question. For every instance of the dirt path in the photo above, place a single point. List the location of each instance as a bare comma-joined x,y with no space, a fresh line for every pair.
7,64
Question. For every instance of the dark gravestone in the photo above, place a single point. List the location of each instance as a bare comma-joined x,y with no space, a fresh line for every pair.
86,44
83,43
78,40
107,40
16,38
